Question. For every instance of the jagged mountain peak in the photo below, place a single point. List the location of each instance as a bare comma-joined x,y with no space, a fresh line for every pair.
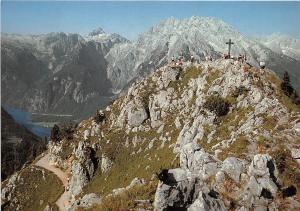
100,36
97,31
195,23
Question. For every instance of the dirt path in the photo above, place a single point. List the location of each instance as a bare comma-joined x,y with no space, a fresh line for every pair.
62,202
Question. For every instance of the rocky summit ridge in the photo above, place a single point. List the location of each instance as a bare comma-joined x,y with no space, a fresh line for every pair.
218,135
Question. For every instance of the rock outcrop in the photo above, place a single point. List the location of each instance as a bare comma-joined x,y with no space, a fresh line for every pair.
83,167
204,183
210,134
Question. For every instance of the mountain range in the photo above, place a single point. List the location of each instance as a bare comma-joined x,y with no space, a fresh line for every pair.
73,74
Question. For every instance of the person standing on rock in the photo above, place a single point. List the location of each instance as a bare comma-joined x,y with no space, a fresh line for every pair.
245,58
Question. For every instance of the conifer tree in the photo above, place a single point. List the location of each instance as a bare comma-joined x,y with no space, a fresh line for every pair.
286,85
55,133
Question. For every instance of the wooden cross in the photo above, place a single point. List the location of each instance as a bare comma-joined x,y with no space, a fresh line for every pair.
229,43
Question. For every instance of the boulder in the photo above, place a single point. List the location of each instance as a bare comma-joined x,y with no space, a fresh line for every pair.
295,152
133,113
197,161
106,163
233,167
205,202
136,116
178,195
159,104
253,187
168,75
262,165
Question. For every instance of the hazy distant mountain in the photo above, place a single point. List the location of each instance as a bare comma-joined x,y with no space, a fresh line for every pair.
104,40
56,72
18,145
282,43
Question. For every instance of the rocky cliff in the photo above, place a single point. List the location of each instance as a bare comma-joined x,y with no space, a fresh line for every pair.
217,135
55,73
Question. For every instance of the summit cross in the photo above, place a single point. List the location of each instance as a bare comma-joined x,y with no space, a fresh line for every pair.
229,43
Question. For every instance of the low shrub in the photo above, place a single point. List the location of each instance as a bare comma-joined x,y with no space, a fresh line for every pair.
99,117
55,133
239,91
217,104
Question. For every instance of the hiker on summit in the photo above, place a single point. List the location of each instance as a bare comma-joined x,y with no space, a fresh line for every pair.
240,58
262,64
208,58
173,59
180,60
192,59
244,57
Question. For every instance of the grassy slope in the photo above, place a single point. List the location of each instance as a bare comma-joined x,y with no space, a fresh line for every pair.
34,191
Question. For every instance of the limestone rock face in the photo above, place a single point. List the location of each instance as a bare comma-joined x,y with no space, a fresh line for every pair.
83,168
158,105
189,187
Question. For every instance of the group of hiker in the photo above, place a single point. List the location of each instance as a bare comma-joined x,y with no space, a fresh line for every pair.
178,61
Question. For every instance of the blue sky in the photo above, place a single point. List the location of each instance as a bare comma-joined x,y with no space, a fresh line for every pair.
131,18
